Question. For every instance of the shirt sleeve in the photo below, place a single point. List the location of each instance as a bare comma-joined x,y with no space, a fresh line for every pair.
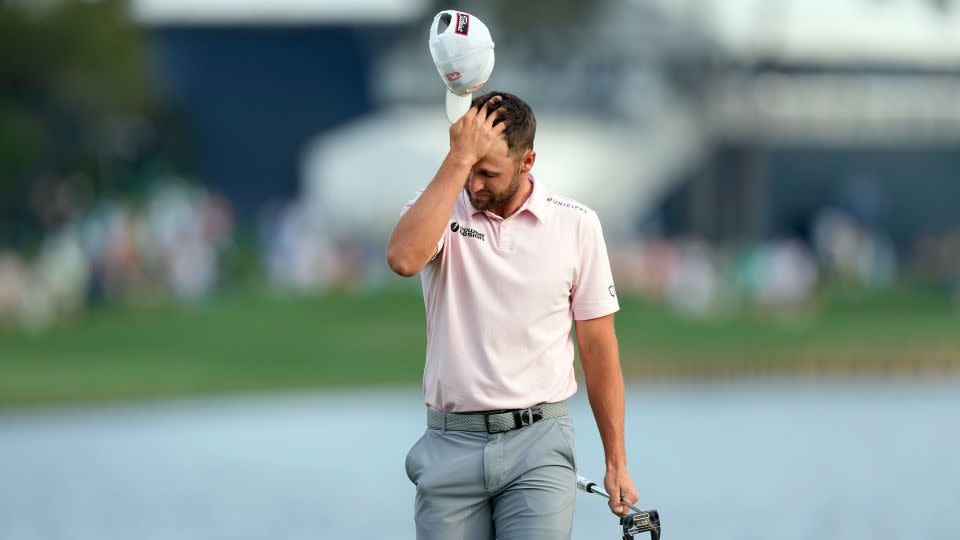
593,292
442,236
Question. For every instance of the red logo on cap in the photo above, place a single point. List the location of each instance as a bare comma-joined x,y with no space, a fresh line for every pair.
476,87
452,76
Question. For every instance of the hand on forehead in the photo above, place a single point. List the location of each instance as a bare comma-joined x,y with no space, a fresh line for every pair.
499,153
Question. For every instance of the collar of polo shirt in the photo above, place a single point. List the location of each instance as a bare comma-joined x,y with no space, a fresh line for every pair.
535,203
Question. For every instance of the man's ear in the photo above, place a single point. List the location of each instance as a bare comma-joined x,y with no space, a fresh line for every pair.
527,162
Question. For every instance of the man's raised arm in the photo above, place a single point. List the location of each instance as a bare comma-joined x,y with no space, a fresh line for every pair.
414,239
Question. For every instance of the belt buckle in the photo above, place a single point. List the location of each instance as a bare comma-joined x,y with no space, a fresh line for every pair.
526,417
521,418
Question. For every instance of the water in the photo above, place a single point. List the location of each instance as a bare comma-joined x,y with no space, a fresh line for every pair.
771,459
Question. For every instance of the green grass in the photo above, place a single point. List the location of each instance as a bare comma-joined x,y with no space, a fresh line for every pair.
258,342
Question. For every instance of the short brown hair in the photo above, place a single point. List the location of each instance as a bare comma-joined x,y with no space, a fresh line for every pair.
521,123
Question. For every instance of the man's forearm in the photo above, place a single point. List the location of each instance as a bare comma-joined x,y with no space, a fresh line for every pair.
604,380
415,236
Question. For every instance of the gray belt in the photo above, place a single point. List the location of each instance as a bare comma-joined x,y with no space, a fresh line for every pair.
495,421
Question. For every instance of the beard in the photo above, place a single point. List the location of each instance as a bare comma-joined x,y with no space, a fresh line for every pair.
487,200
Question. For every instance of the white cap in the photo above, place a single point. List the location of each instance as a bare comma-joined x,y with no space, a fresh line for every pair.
463,53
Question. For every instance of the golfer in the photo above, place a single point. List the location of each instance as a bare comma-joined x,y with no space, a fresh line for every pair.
507,266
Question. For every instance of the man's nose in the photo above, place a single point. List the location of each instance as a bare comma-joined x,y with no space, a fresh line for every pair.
474,183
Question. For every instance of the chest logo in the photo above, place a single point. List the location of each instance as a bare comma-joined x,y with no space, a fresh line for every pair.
466,232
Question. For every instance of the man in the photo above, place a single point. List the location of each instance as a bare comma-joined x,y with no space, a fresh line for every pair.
506,266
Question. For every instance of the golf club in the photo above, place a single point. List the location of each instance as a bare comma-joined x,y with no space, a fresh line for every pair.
639,522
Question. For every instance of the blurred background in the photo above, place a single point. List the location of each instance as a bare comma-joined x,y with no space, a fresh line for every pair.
200,338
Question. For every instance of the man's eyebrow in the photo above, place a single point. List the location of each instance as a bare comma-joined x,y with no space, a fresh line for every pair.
487,170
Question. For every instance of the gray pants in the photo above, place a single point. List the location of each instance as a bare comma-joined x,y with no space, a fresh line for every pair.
478,486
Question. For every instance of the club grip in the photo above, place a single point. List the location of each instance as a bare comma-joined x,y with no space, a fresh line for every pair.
585,485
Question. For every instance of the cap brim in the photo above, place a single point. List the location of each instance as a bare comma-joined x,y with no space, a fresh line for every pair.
457,105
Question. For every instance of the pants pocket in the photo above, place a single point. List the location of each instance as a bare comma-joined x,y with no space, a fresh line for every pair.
410,463
568,434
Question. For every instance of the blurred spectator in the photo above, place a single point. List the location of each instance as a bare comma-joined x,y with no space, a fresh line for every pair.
694,285
298,252
936,260
13,281
780,274
853,251
63,268
119,261
644,267
185,231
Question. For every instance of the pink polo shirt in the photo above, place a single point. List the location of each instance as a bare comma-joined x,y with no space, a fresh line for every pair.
501,295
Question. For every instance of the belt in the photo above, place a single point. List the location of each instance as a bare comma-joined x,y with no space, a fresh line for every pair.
495,421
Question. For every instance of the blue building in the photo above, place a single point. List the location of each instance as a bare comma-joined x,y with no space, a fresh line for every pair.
256,80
